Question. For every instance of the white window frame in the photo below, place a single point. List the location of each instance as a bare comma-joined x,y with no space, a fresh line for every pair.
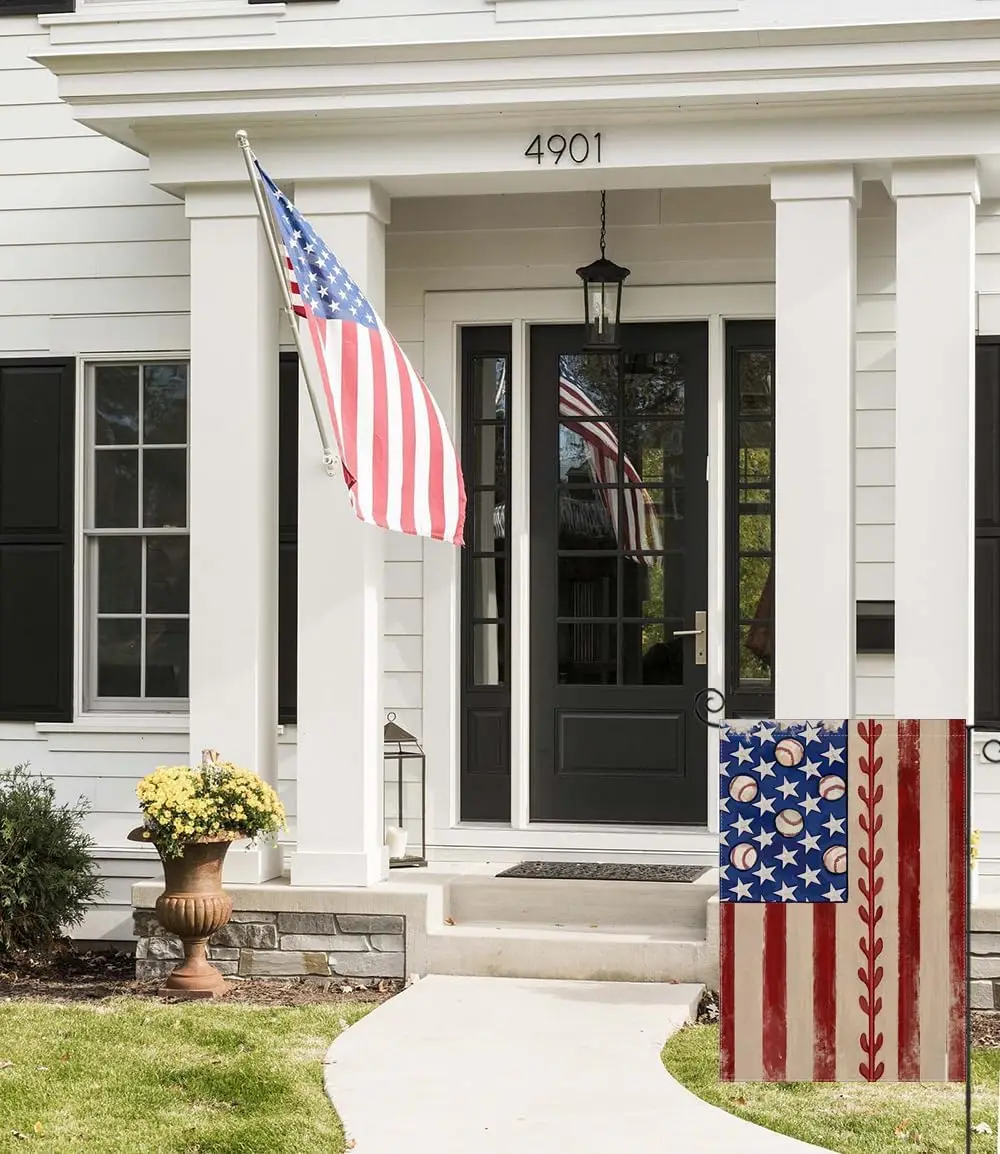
88,535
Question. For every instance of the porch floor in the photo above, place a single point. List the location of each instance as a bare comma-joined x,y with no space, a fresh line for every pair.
500,1064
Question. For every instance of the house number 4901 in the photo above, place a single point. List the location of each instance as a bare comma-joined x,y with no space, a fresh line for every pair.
578,148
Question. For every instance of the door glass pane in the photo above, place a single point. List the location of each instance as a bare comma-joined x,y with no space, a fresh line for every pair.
118,657
588,385
164,404
753,581
651,655
588,653
654,586
116,489
488,587
489,521
491,457
588,452
755,376
116,405
488,654
755,533
653,384
489,388
654,452
756,650
587,519
119,578
754,451
588,586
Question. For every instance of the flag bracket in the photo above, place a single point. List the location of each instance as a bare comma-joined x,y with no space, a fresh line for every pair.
710,704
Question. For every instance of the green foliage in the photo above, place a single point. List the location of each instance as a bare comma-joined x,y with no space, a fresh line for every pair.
47,875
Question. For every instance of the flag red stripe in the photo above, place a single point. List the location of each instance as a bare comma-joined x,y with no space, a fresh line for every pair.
958,865
727,990
380,431
909,901
825,991
774,1035
349,395
436,469
408,441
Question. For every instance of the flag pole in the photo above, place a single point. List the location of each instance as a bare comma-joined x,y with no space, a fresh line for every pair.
267,222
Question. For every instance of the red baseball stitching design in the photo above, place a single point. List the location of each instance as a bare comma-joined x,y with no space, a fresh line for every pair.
870,886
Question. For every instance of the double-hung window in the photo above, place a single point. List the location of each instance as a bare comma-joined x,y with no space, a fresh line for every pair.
137,555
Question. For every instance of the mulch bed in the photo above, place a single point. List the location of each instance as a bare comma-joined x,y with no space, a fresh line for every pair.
69,975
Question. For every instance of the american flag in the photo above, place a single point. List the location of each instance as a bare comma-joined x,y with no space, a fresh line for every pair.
583,417
400,466
844,856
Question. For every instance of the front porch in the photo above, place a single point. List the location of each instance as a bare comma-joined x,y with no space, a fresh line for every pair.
851,229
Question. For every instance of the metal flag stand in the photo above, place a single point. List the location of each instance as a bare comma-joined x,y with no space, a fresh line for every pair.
710,710
330,459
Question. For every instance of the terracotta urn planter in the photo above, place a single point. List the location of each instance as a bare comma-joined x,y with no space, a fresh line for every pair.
194,906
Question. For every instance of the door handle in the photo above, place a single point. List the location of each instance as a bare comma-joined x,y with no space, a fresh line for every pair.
700,630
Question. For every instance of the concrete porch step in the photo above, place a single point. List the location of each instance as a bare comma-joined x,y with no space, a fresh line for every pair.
604,905
525,950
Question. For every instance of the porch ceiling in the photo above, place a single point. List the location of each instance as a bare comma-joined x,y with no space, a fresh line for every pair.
684,108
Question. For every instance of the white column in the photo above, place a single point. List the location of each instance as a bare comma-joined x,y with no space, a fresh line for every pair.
341,562
935,437
815,303
234,517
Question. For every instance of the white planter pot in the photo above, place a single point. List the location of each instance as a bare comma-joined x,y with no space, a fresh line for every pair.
395,839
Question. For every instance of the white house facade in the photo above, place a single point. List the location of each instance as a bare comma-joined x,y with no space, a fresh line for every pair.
803,508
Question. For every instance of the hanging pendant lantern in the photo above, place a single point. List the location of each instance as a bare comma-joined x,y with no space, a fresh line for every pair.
602,294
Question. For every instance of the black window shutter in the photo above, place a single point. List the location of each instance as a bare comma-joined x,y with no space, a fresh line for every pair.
36,540
987,605
288,535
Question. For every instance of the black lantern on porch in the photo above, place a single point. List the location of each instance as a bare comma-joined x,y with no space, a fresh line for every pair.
602,294
405,798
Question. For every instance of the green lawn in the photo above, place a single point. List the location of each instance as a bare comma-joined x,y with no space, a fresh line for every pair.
849,1117
129,1076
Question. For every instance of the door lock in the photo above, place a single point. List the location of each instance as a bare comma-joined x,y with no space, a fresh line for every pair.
700,632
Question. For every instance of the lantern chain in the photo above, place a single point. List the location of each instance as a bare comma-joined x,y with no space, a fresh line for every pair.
604,228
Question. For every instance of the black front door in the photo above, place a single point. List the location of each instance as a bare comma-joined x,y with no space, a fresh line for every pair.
619,575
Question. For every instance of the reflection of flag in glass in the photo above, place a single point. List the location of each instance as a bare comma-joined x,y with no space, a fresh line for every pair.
843,901
641,530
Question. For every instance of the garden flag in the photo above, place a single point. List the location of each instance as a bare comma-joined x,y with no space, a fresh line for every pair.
400,466
842,887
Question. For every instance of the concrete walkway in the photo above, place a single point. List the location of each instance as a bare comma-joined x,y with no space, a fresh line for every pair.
497,1065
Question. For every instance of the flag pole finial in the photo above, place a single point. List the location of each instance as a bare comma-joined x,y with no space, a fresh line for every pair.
243,140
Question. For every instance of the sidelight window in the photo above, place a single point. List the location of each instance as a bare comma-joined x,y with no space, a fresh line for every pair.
750,593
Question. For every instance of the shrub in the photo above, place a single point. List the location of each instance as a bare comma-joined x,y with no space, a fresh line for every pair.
47,876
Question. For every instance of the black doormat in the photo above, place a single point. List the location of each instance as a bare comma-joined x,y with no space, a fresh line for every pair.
603,871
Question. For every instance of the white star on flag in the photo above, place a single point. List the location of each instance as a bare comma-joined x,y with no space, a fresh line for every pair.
787,789
810,876
786,893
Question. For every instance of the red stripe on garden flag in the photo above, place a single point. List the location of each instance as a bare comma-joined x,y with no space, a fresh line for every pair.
727,990
909,901
774,1035
958,866
825,992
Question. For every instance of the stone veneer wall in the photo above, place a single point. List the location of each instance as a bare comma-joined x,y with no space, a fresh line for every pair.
355,947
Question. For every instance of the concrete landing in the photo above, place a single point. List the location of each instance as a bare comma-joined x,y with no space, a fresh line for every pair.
466,1065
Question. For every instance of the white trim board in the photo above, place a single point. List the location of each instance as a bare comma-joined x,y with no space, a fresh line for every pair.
445,314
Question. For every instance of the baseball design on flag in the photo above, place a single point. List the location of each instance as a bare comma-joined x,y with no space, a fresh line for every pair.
843,948
743,856
781,810
743,788
788,752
